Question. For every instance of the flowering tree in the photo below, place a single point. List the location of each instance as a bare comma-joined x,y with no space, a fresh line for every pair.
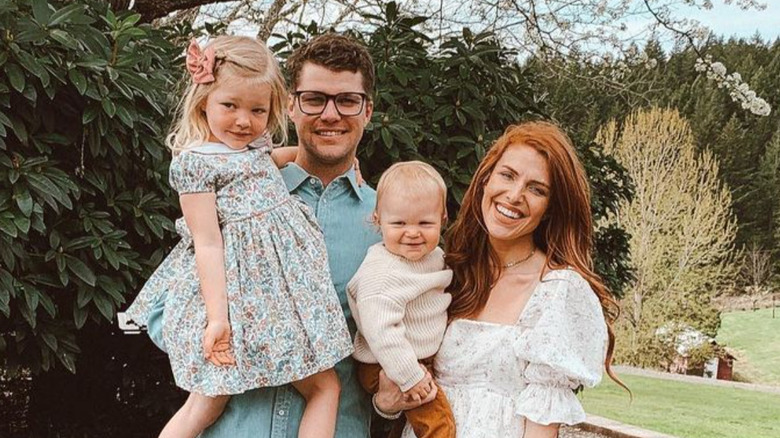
583,31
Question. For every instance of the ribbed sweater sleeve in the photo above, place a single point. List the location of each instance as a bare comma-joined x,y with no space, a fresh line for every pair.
383,328
400,310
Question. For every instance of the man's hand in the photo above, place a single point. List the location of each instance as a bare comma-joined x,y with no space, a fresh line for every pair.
390,399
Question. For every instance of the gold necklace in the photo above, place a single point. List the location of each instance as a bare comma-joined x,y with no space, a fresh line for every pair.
517,262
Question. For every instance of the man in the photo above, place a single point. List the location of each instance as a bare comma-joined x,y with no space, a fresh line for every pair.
332,81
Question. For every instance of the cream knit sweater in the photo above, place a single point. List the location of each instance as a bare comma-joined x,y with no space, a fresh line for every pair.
400,308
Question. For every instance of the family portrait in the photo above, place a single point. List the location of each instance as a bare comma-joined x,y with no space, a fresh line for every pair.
380,220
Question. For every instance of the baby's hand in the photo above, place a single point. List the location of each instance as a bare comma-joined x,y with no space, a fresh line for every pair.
216,343
420,390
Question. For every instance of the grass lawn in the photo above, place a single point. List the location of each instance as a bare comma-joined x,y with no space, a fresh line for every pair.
686,409
755,336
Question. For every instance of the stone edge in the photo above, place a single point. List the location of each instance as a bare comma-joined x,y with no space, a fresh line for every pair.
616,429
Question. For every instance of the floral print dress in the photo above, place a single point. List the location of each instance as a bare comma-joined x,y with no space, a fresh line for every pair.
284,312
496,375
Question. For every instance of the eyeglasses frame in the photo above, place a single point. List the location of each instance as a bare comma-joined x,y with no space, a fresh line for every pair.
328,99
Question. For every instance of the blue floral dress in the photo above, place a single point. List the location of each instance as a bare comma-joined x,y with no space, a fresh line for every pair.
284,312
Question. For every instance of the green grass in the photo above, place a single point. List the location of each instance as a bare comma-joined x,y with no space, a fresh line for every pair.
687,409
755,337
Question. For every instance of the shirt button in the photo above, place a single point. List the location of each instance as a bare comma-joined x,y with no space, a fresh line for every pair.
312,181
281,411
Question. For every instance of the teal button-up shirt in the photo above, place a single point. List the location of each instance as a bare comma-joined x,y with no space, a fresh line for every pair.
343,210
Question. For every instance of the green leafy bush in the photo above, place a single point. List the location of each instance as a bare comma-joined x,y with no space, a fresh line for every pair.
85,206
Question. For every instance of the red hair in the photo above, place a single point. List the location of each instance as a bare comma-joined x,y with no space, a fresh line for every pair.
566,235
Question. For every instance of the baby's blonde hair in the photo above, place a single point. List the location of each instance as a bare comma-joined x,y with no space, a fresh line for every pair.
238,58
411,177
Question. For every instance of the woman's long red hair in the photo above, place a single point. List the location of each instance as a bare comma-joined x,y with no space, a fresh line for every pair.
566,235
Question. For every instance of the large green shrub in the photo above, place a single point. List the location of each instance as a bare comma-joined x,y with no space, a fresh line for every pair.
85,202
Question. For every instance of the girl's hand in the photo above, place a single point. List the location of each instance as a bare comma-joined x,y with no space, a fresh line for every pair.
216,343
421,390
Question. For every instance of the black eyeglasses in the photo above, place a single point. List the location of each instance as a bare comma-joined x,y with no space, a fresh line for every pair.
313,103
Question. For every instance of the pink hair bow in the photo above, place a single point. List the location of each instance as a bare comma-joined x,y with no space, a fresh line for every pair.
200,64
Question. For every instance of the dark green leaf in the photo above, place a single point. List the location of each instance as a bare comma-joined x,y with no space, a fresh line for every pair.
78,80
23,224
41,11
30,63
7,226
64,38
15,76
80,269
50,340
68,12
105,306
48,305
109,107
68,360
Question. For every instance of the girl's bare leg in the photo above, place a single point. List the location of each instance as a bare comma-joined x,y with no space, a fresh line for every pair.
198,413
321,392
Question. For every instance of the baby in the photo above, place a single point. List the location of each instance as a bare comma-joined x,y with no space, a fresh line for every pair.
397,295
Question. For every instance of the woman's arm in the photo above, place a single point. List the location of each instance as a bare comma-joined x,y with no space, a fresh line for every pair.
389,400
536,430
200,214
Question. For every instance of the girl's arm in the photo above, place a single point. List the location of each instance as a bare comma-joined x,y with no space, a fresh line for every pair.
536,430
200,214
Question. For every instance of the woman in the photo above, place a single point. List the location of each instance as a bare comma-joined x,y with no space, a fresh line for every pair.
530,320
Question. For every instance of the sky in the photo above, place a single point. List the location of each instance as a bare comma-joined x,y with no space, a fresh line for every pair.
732,21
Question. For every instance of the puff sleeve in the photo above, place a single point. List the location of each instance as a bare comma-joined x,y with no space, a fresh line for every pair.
563,339
192,172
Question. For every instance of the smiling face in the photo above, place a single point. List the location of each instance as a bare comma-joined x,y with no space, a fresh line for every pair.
410,223
237,115
516,195
329,139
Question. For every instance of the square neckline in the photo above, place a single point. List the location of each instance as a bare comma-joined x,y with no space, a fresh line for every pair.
534,293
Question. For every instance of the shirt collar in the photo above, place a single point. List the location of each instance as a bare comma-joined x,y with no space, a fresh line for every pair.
295,175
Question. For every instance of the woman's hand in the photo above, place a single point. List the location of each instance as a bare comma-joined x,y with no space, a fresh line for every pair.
216,343
419,391
390,399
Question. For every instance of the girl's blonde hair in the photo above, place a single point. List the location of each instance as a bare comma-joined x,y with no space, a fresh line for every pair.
411,177
246,61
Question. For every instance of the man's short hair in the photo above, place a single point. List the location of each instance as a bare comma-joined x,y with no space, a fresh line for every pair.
334,52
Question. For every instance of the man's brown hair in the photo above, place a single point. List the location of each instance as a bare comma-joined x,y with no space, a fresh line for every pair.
334,52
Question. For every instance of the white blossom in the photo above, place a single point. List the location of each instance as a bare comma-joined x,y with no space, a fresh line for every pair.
739,91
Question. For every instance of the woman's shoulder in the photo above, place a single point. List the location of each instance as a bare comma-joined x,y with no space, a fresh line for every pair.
567,284
568,275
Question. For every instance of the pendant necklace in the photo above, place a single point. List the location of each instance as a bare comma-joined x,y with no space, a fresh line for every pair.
517,262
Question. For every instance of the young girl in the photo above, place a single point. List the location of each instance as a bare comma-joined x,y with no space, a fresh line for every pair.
397,295
250,302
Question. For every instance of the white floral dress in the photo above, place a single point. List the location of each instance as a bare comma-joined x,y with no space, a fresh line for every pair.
495,375
284,312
